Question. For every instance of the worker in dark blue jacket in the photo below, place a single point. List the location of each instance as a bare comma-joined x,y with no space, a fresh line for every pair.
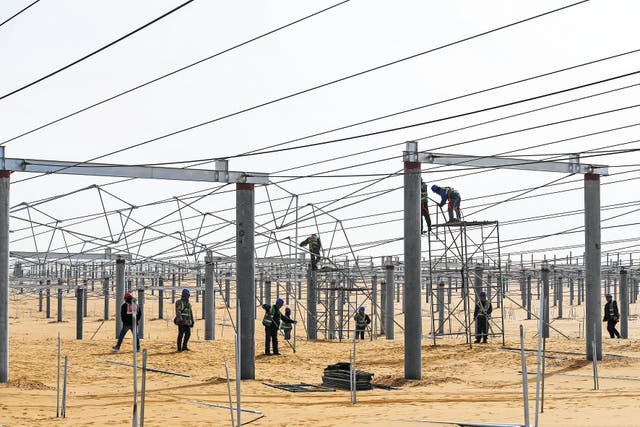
450,195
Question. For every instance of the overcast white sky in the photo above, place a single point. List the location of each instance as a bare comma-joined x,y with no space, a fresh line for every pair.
353,37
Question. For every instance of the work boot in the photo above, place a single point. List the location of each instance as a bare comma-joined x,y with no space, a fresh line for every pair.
115,348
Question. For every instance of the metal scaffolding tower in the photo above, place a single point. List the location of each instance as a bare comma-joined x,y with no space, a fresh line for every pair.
464,259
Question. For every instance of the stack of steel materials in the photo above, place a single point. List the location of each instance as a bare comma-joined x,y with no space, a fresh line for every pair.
338,376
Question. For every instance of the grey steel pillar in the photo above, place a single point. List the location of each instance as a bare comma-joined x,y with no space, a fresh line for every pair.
341,300
529,296
47,305
79,305
388,290
119,293
245,290
331,314
40,298
173,288
4,274
580,288
544,274
374,304
312,326
267,291
288,291
210,318
59,312
440,293
477,284
227,288
571,290
560,296
161,298
593,325
105,291
383,305
140,327
85,294
624,304
412,255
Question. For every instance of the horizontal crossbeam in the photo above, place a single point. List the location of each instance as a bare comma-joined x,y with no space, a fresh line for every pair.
573,166
131,171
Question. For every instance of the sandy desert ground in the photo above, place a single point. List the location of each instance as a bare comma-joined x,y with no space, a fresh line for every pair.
481,384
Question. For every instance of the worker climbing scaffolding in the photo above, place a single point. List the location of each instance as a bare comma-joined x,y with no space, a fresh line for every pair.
424,207
450,195
314,247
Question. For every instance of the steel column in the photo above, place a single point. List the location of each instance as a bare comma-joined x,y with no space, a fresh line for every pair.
593,326
245,268
210,316
119,293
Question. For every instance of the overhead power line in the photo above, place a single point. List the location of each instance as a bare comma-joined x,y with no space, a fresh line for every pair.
18,13
329,83
441,119
77,61
171,73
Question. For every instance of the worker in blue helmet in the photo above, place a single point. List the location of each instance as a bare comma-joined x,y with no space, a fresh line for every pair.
611,316
287,323
184,319
481,315
362,320
450,195
271,321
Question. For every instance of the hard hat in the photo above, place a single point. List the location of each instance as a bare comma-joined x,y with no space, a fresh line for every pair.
186,292
128,295
434,188
287,311
608,296
483,294
361,309
279,301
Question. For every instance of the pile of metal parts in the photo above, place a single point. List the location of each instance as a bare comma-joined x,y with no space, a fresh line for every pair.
338,376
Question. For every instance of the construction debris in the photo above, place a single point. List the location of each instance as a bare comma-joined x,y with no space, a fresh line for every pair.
338,376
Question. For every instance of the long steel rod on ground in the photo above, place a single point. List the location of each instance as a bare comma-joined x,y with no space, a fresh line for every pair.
217,405
161,371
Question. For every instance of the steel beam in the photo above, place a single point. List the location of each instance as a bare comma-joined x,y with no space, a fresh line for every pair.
131,171
573,166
